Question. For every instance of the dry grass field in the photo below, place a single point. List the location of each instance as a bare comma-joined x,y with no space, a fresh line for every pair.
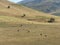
31,29
30,34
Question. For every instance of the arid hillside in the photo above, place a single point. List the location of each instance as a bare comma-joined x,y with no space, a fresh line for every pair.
20,25
10,9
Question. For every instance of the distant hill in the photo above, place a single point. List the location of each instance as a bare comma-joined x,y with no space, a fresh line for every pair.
47,6
16,13
20,25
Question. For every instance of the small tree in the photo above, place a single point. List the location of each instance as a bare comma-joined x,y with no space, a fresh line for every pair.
8,6
23,15
51,20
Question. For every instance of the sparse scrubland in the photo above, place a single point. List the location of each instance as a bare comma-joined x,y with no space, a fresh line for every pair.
20,25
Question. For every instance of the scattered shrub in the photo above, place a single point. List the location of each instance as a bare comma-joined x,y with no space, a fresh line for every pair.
28,31
8,6
18,30
51,20
23,15
41,34
45,35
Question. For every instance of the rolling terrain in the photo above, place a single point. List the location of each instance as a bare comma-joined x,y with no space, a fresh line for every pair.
20,25
47,6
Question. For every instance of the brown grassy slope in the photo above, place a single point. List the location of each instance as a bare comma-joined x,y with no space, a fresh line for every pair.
28,34
19,10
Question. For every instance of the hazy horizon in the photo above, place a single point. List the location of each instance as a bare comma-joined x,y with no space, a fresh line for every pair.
15,1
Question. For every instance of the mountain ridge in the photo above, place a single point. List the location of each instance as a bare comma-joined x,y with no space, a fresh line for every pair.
47,6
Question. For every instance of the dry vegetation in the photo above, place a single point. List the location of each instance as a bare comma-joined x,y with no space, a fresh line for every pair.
20,25
30,34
